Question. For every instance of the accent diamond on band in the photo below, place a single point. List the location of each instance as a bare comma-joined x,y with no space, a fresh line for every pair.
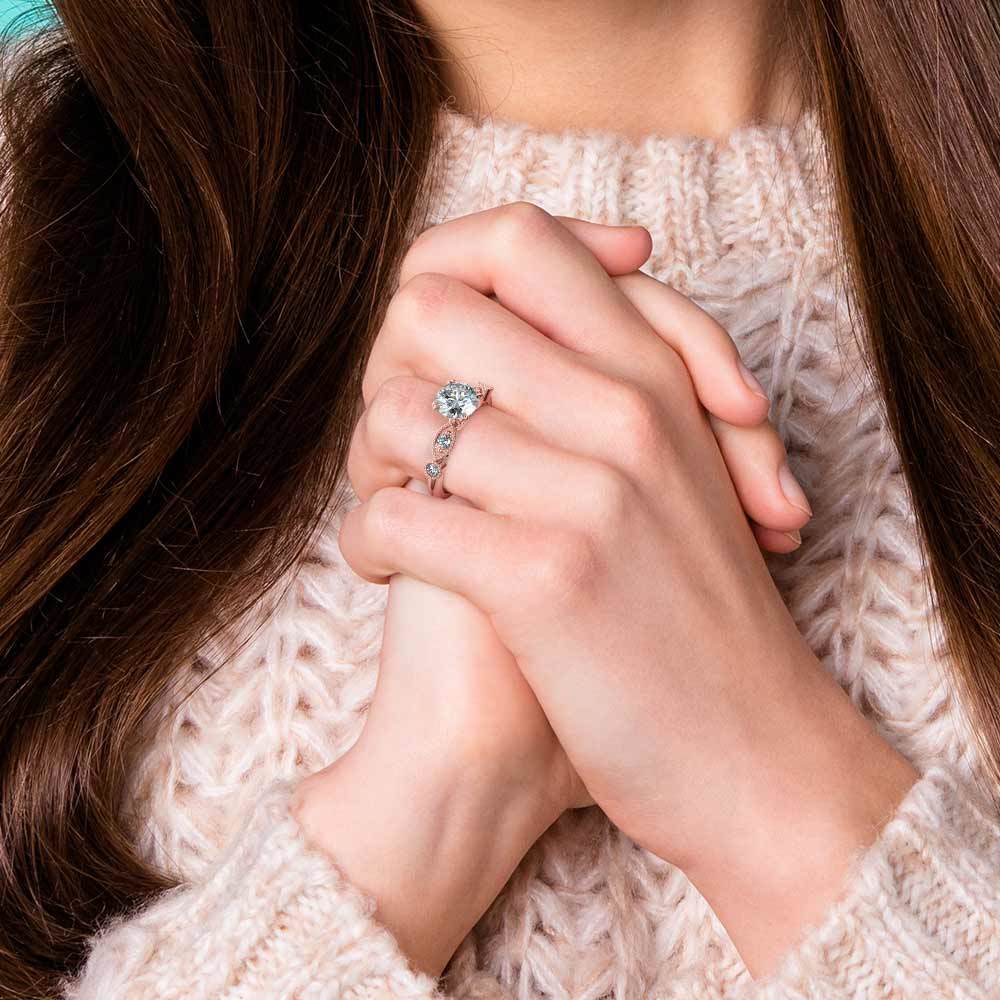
457,401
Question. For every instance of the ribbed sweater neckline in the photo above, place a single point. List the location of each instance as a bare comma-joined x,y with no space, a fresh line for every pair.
762,185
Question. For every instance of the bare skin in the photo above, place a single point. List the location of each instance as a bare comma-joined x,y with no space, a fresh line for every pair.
694,714
697,67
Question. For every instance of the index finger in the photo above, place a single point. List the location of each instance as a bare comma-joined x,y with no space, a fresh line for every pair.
537,267
557,274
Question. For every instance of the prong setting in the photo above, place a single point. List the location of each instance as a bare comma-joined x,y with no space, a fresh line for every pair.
456,401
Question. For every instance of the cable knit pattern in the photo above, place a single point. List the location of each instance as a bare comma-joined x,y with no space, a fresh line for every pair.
743,226
275,918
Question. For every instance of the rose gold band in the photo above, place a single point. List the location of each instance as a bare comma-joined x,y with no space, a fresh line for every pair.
447,434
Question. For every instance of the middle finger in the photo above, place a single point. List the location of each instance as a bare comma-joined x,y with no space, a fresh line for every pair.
438,328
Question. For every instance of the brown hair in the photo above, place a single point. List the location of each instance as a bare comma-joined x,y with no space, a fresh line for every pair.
909,94
204,205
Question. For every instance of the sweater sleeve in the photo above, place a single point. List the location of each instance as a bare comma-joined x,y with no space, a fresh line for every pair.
920,915
273,919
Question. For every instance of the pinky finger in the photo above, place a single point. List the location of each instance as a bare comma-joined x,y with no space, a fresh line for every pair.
446,544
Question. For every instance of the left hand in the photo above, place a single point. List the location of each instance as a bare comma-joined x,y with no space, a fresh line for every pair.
609,548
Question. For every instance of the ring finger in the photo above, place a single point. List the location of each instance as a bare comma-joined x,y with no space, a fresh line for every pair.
392,443
495,462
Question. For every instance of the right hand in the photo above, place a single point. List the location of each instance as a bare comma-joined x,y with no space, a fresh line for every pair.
455,740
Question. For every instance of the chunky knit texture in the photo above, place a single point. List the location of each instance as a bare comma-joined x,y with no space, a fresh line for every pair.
742,225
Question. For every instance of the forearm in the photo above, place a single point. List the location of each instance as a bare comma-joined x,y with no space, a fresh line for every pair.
803,808
432,847
270,916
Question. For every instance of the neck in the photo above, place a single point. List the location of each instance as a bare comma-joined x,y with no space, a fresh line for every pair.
693,67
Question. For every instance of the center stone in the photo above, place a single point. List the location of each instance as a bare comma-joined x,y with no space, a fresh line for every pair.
456,401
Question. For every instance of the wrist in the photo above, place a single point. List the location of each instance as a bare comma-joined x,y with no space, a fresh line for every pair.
810,802
432,846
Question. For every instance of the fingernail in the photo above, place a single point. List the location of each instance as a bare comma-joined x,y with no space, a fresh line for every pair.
417,485
795,536
750,379
794,493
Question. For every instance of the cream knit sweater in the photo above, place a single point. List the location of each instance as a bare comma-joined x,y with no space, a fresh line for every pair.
743,226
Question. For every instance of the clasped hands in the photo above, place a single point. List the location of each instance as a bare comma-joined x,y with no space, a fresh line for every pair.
588,618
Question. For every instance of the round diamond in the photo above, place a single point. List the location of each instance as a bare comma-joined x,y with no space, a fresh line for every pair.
444,440
432,469
456,401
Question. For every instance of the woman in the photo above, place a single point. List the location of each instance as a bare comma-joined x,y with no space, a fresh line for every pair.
274,275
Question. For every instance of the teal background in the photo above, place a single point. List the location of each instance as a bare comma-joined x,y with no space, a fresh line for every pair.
22,15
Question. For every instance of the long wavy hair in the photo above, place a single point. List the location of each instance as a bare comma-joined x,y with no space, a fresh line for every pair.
204,204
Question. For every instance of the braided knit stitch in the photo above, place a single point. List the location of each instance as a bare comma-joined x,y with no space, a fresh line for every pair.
743,226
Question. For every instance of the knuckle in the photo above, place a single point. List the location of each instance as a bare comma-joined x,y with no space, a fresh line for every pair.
417,250
636,418
392,410
351,539
562,561
419,299
723,339
522,223
345,536
354,456
610,497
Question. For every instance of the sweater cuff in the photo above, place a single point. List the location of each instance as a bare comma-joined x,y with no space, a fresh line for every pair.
275,918
921,913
